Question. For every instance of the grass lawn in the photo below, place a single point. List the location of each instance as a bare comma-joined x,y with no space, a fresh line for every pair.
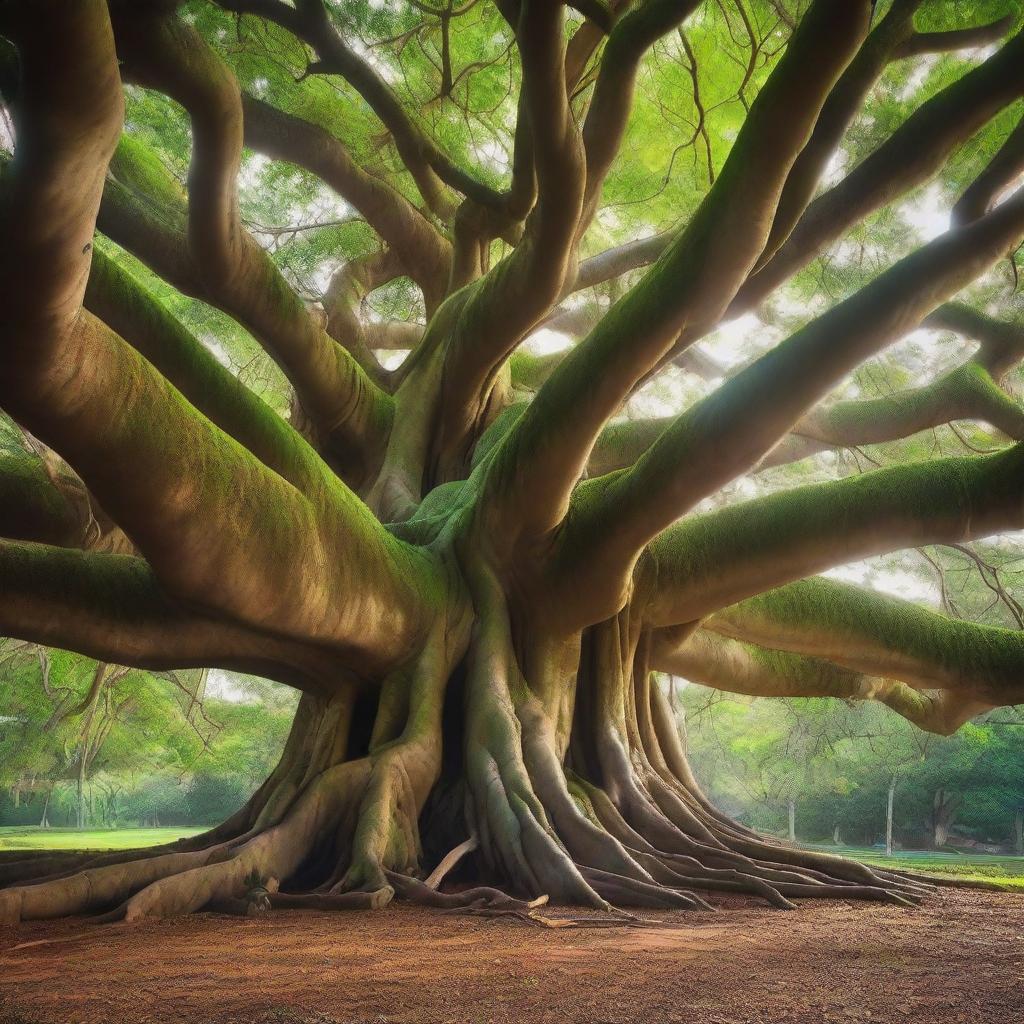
29,837
1008,871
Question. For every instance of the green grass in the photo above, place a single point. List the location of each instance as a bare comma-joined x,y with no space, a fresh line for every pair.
30,837
1008,871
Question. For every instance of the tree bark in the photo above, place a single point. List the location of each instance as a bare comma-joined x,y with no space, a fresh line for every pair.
889,816
944,808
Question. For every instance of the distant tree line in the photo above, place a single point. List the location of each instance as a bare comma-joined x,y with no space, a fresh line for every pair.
822,770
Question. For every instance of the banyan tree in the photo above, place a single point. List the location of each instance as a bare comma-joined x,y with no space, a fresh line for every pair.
472,557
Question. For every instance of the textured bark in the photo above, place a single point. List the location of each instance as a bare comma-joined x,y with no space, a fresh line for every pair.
890,797
475,629
944,807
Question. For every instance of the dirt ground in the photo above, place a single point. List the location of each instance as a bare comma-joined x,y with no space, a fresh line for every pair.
958,958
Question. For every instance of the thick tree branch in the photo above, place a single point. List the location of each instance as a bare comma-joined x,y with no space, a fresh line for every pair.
585,42
144,211
80,389
163,53
838,113
893,39
138,317
424,253
597,11
1003,170
882,46
737,667
111,608
107,411
349,285
393,335
910,156
430,168
67,81
883,636
576,321
1001,342
955,39
621,259
37,504
605,125
528,372
541,460
967,393
732,429
505,304
709,561
621,444
970,392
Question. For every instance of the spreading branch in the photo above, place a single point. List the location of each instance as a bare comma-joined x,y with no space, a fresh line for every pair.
633,35
737,667
38,503
621,259
112,608
966,393
882,636
430,168
999,175
424,253
124,305
955,39
910,156
543,457
712,560
204,250
884,45
972,391
1001,342
731,430
84,392
838,113
348,286
505,304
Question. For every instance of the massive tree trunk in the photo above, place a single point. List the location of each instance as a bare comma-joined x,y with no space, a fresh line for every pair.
475,619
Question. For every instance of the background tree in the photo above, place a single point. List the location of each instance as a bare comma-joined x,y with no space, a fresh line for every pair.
464,560
178,753
68,719
872,779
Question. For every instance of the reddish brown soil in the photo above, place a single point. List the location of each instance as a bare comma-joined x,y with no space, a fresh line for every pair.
958,958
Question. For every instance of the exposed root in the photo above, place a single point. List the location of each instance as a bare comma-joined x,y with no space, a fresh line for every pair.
517,837
484,901
178,883
629,892
603,815
375,900
419,892
450,860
